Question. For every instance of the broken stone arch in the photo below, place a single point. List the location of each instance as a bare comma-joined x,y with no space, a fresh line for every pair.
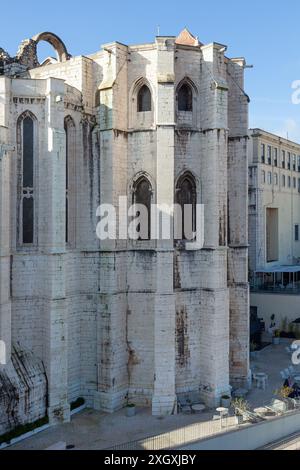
55,42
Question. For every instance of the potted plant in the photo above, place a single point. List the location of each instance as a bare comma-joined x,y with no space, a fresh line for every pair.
284,327
225,401
283,394
130,410
240,406
276,337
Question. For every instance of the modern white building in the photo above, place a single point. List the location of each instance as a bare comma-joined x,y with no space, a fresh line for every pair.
274,226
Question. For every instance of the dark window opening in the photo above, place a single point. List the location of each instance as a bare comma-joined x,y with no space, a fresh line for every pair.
144,99
27,152
272,237
27,189
296,233
28,208
283,159
186,199
67,183
67,219
263,150
185,98
142,195
70,142
275,157
269,155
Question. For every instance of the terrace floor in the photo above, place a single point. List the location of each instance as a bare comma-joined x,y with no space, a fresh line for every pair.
90,429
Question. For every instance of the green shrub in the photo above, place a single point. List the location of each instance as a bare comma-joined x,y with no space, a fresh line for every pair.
284,325
77,403
297,331
292,328
23,429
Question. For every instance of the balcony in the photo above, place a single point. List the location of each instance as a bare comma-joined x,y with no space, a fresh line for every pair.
284,280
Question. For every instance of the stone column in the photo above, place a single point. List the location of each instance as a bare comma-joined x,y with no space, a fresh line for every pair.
214,298
52,243
113,353
164,397
238,226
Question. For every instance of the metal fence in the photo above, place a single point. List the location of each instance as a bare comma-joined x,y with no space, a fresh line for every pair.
202,430
180,437
275,290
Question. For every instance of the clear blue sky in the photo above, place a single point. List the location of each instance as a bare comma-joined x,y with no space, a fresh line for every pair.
266,33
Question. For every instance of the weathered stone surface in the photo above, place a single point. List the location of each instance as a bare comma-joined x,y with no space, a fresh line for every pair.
118,319
23,390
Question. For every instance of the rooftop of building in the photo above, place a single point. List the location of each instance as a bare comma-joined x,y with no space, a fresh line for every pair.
257,132
26,56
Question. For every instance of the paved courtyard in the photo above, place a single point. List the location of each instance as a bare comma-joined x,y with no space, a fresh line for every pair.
90,429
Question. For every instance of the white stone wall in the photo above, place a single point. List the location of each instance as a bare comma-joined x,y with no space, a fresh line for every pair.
121,320
265,195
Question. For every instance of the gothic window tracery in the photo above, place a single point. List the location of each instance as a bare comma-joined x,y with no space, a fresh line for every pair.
26,199
142,194
186,198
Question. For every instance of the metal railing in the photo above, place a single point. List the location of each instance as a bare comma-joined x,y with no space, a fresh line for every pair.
276,289
180,437
200,431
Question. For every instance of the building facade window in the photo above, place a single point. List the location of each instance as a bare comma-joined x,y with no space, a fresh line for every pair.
275,179
272,235
289,181
142,194
289,160
263,153
185,98
69,127
269,155
269,177
283,181
275,156
299,163
26,169
294,162
283,158
296,232
186,198
263,176
144,99
294,183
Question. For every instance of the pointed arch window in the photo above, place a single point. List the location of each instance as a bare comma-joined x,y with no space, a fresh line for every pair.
144,99
142,194
185,98
69,126
26,187
186,198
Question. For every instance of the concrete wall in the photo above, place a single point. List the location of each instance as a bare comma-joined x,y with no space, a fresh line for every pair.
251,437
283,306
